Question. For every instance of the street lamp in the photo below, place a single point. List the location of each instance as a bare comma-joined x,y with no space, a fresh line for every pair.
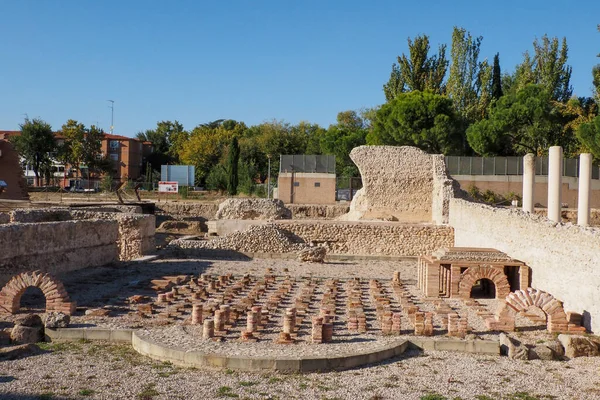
269,178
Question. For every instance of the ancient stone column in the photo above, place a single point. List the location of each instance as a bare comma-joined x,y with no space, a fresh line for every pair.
219,321
317,330
528,182
555,168
225,310
327,333
251,321
197,314
288,322
208,328
585,180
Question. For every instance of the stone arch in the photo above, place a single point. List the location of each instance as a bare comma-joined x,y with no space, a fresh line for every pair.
473,274
57,298
521,300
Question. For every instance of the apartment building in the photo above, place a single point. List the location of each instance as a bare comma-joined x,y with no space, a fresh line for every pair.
127,154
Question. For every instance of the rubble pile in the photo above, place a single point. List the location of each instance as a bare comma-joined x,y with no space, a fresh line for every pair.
265,209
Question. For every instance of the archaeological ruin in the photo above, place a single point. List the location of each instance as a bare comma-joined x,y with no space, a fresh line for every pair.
254,285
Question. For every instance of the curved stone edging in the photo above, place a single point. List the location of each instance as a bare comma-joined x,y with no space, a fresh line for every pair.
186,358
177,356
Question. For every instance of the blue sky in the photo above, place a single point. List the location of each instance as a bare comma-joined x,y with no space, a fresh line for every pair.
197,61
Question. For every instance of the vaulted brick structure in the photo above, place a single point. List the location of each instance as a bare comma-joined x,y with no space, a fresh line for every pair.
522,300
475,273
57,298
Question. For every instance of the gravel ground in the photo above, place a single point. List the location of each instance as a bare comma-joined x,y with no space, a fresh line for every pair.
103,371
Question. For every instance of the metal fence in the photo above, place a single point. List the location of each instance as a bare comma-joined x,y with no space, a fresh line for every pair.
311,163
509,166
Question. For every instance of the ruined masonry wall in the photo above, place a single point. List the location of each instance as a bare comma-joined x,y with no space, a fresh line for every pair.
564,258
56,247
136,231
397,181
372,238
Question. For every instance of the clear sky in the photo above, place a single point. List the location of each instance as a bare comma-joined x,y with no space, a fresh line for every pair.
198,61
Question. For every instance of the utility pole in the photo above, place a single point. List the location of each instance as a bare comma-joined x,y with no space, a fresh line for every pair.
112,115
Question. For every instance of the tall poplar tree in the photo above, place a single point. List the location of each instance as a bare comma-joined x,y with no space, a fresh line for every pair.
418,70
547,67
470,80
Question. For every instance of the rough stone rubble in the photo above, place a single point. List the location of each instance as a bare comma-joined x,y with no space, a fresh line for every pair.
265,209
256,239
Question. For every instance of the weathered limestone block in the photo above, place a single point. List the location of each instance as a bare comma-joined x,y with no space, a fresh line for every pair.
578,346
28,330
513,348
56,320
312,254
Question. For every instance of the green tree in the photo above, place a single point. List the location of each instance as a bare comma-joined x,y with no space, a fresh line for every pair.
73,147
339,140
167,140
34,145
422,119
547,67
589,135
496,78
92,151
232,164
418,70
519,123
469,80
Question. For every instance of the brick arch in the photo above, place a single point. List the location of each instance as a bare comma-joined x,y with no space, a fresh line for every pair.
520,301
57,298
473,274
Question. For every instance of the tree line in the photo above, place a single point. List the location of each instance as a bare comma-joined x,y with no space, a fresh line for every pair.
78,147
451,101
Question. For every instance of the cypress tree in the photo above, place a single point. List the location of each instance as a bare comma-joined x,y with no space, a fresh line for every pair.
233,160
496,78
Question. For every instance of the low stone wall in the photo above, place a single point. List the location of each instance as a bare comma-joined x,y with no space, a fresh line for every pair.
56,247
208,211
187,210
136,231
318,211
371,238
564,258
40,215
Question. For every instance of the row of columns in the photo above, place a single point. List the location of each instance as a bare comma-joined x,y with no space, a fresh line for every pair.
555,168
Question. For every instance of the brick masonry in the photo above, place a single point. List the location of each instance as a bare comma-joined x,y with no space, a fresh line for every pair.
57,298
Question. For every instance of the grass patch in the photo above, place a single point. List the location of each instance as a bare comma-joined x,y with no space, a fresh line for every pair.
46,396
247,383
59,347
226,391
148,392
433,396
86,392
522,396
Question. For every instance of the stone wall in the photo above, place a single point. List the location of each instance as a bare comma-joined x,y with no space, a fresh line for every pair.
56,247
371,238
208,211
187,210
318,211
564,258
136,231
401,184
